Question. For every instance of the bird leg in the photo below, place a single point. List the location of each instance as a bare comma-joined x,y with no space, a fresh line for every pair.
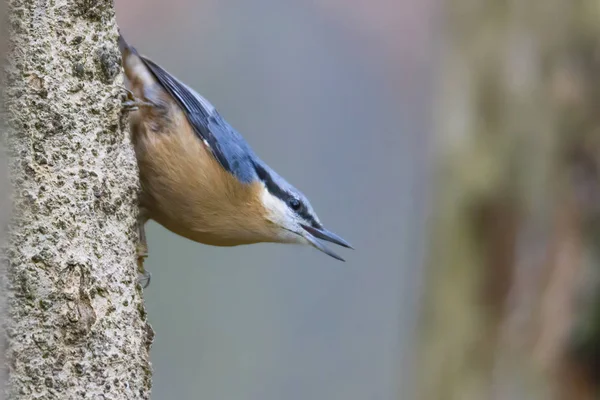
132,103
142,249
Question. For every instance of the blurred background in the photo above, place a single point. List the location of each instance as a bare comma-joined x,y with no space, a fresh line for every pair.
456,144
335,95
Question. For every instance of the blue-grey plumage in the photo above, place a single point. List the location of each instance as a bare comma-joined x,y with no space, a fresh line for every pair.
200,178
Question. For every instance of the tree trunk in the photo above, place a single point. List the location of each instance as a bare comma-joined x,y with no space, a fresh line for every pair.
76,320
4,213
512,294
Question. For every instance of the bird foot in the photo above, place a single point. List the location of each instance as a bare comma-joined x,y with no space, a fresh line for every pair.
145,276
144,279
132,103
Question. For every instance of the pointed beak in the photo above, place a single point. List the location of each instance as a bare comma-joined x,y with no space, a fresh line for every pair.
312,234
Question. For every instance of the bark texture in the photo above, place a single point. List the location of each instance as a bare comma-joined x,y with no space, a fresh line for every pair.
512,308
76,320
4,213
4,205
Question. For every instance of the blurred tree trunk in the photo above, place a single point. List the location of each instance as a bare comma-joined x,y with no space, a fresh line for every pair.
76,321
512,291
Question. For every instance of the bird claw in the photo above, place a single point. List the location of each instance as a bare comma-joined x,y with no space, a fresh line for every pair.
145,276
144,279
132,103
130,106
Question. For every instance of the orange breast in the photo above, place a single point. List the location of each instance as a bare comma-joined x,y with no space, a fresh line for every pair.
187,191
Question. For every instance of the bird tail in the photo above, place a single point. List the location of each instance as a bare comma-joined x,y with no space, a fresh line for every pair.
124,47
137,74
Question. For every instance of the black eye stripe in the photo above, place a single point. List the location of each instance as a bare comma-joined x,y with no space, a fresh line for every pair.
286,197
272,187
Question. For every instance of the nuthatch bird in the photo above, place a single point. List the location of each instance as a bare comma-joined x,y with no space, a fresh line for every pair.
199,177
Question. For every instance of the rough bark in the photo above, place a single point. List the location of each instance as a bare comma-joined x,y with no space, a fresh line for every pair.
512,288
4,213
4,207
76,321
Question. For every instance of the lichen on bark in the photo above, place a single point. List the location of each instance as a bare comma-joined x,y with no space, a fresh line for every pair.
76,323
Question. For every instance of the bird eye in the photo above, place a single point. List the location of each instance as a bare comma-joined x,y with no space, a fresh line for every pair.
295,204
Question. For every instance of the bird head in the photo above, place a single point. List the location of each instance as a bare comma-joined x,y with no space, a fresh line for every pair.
292,215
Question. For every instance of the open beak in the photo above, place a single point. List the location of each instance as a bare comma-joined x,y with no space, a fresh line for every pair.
312,234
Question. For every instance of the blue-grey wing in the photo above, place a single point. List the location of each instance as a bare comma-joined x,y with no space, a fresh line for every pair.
226,144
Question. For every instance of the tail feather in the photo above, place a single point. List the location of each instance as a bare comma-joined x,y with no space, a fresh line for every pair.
138,76
123,46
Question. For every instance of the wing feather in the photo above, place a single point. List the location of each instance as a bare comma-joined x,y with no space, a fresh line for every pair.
225,143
